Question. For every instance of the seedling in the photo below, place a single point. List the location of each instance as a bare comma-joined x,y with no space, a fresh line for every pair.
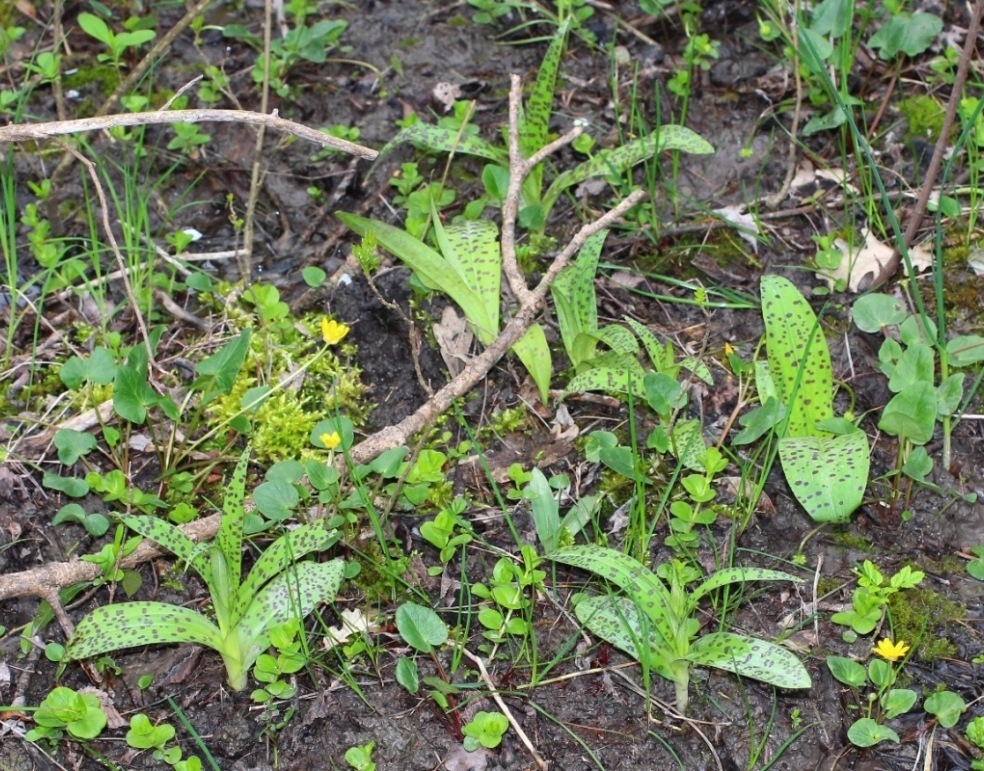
117,44
871,596
360,757
280,587
63,710
885,702
485,730
908,358
656,622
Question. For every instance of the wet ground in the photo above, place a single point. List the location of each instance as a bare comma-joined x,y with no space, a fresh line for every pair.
589,710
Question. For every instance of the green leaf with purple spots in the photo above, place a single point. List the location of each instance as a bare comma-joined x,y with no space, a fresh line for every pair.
133,624
292,594
749,657
828,475
611,379
738,575
624,157
798,357
173,539
535,122
574,296
617,620
432,268
282,553
630,575
442,140
471,249
229,539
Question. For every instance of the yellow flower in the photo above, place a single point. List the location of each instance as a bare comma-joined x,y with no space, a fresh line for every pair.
891,651
332,331
331,441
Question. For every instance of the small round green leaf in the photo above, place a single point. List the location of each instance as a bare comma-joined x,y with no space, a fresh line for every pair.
420,627
866,733
947,706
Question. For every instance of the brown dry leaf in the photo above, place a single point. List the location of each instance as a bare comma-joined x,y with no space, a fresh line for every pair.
872,264
455,339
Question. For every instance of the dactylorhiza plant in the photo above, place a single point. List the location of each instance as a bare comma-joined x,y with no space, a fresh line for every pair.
825,459
280,587
656,622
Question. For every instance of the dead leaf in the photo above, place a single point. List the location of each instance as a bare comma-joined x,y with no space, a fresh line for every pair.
625,279
446,94
113,718
353,622
743,222
872,263
454,339
976,262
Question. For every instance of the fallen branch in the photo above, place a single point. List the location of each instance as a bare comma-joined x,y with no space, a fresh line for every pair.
28,132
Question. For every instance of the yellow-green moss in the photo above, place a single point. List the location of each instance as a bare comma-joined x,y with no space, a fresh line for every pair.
922,617
924,116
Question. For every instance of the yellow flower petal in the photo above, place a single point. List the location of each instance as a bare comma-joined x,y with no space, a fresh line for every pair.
331,441
332,331
891,651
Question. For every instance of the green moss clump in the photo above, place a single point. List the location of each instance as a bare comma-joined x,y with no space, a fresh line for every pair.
105,75
921,616
924,114
283,423
847,539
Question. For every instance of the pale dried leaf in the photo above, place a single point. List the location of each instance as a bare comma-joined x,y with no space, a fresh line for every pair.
446,94
871,264
454,338
353,622
743,222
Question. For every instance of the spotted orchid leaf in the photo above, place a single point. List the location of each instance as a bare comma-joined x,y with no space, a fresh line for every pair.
799,359
828,475
623,157
471,249
630,575
617,620
535,122
615,379
131,624
432,268
443,140
291,594
173,539
279,555
229,539
737,575
574,295
749,657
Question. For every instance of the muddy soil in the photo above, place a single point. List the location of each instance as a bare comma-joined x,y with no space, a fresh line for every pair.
589,711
